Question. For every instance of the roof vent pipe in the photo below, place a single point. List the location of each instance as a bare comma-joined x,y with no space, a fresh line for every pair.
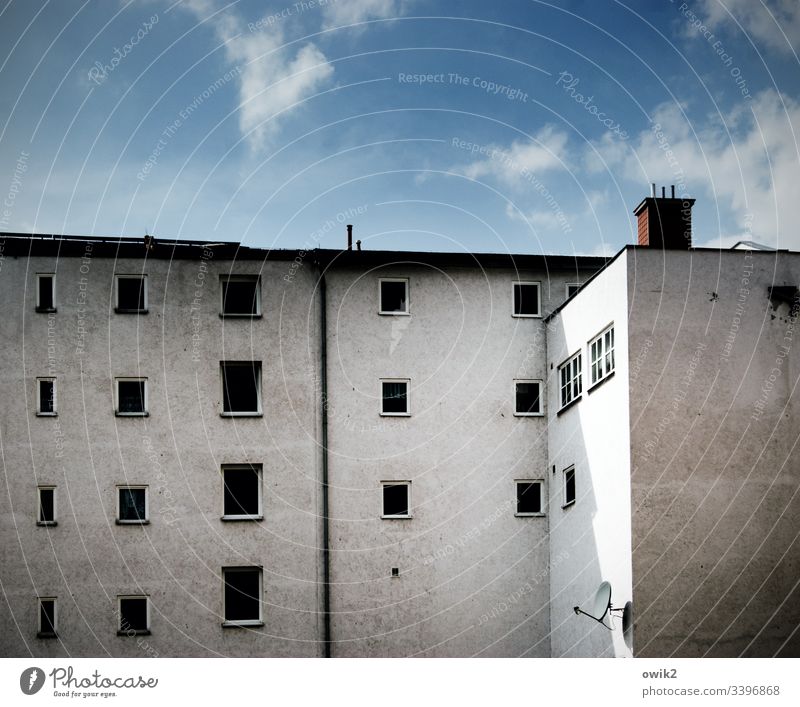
358,245
653,190
349,236
673,191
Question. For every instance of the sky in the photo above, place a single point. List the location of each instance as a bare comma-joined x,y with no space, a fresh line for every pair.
508,126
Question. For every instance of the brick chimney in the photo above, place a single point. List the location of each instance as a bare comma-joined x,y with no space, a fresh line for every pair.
665,222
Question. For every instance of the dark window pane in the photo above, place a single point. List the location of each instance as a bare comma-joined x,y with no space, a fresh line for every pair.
47,616
240,296
131,396
526,299
133,614
394,397
46,397
45,292
241,491
240,384
47,511
529,497
131,293
132,504
393,297
569,486
528,397
395,499
572,289
242,601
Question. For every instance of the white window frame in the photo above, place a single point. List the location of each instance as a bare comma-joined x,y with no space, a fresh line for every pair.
244,516
564,502
399,482
538,284
39,307
407,312
39,489
577,285
131,379
574,378
130,631
39,632
146,521
517,482
245,622
39,412
407,381
257,413
130,276
606,372
240,277
541,398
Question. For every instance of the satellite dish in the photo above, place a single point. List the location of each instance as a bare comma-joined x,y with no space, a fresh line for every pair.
627,624
602,601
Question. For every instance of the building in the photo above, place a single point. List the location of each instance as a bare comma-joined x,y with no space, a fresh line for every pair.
210,449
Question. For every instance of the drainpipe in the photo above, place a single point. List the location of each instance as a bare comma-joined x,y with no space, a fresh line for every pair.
326,561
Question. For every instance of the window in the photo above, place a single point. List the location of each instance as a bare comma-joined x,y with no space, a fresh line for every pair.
529,498
241,388
393,296
131,294
131,397
569,486
396,499
241,492
242,588
527,299
527,397
45,292
132,505
394,397
572,288
47,618
46,396
47,506
134,615
569,374
601,355
241,295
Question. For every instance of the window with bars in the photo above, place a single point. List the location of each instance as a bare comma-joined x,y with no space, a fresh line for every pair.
394,397
570,379
601,355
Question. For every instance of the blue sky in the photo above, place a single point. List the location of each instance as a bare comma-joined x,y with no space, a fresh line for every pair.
516,125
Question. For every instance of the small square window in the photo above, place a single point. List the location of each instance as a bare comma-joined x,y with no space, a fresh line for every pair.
394,397
569,486
131,397
527,398
47,506
132,505
529,498
131,294
393,296
48,618
527,299
241,388
241,492
46,397
601,355
572,288
134,616
242,589
45,292
396,499
570,379
241,295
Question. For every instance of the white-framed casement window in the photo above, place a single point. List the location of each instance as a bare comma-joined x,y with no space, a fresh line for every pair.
46,506
242,589
528,398
45,292
572,288
131,396
396,499
527,298
46,397
240,296
134,615
394,397
601,355
530,497
130,294
241,492
569,486
241,388
570,379
133,505
393,296
47,625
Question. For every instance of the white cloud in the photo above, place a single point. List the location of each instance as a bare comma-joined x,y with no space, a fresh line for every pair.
775,23
347,12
